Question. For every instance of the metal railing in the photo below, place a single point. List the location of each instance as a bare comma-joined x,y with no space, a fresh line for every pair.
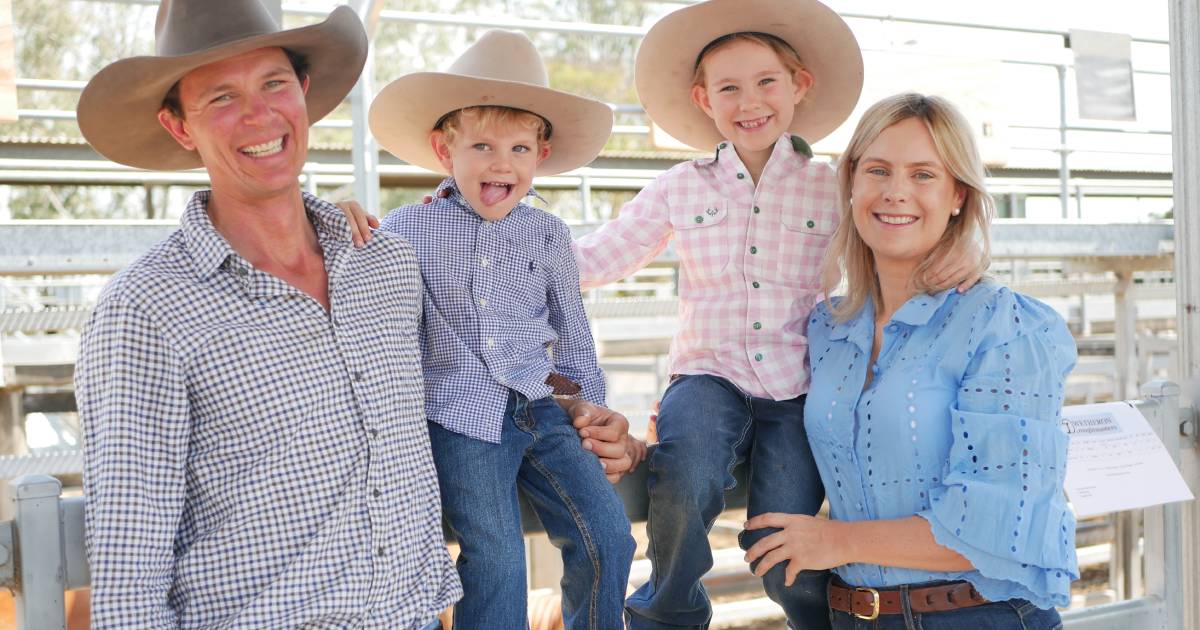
42,551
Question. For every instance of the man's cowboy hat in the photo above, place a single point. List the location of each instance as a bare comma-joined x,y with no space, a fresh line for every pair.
502,68
666,62
118,109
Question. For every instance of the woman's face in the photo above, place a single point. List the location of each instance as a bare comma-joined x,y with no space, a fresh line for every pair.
902,195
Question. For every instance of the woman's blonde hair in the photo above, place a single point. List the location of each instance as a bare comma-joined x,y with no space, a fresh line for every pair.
850,258
483,117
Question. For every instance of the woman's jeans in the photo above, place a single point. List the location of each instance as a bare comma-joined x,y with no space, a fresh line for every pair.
706,426
1013,614
584,518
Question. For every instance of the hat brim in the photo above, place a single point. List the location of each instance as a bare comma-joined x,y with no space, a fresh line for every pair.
666,61
405,111
118,109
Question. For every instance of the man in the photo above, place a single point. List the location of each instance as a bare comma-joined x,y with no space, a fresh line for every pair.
256,453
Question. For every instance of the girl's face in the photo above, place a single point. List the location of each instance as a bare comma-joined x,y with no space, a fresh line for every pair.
750,94
902,195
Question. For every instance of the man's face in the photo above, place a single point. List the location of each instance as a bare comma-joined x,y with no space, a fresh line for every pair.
246,117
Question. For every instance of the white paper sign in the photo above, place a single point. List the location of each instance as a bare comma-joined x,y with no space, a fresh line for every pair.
1116,462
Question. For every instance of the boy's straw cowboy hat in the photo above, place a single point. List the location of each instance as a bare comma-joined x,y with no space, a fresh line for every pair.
666,62
502,68
118,109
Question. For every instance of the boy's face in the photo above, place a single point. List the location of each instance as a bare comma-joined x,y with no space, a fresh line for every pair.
493,167
750,94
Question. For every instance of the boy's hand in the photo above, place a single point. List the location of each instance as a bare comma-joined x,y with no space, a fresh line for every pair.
962,269
360,222
606,433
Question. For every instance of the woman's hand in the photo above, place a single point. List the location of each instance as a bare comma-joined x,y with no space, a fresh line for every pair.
360,222
804,542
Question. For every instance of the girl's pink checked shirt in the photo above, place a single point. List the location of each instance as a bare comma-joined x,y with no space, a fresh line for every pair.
749,260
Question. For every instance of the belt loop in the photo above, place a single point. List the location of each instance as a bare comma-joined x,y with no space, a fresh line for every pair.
906,607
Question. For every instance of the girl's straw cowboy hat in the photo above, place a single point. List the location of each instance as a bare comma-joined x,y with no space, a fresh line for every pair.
666,62
502,68
118,109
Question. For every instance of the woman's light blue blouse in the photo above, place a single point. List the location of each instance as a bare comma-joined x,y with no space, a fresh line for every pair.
959,425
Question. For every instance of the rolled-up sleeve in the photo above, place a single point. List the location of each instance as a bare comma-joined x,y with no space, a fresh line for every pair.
133,409
1001,503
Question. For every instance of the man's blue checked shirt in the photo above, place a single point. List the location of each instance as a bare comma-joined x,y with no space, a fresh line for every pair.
502,309
252,461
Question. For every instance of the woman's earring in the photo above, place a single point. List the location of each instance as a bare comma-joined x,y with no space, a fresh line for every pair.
955,212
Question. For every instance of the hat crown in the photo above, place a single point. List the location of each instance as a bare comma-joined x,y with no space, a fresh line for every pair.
189,26
504,56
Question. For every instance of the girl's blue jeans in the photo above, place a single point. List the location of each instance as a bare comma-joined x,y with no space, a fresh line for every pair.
707,426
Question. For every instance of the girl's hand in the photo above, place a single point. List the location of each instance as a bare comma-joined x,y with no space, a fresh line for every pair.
360,222
960,267
804,542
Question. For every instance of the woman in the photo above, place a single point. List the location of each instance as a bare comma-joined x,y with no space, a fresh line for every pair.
933,415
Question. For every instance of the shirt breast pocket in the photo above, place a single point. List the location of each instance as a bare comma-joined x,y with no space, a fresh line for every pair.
802,246
702,238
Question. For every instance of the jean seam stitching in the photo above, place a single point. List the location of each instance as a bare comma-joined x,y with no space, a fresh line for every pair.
585,533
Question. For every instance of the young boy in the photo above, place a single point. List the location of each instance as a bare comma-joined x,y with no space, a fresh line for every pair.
503,318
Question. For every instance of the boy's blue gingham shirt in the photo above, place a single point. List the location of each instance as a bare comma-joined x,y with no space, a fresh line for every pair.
503,309
251,460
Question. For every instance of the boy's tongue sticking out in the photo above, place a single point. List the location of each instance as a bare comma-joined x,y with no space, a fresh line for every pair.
491,193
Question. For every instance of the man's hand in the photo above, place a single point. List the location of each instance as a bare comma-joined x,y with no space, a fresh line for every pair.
606,433
360,222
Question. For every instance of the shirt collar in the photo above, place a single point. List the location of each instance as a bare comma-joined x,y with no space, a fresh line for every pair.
919,309
210,251
787,145
449,191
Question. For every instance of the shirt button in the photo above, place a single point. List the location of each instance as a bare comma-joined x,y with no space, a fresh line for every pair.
375,433
756,210
380,551
753,249
758,356
810,223
483,302
483,262
757,325
699,219
358,376
377,493
243,272
722,145
741,176
893,328
755,284
491,343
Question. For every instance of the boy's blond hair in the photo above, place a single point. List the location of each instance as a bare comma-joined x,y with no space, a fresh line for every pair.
483,117
849,256
787,55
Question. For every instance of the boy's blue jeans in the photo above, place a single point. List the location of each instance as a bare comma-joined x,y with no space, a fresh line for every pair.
540,450
706,426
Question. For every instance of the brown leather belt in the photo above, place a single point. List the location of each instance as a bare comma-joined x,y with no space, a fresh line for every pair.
869,603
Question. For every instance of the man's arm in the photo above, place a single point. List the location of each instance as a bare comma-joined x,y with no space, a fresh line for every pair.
133,410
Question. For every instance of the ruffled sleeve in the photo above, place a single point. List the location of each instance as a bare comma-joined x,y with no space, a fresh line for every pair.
1001,504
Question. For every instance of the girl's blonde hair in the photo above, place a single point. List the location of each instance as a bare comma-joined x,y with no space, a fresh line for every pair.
850,258
484,117
787,55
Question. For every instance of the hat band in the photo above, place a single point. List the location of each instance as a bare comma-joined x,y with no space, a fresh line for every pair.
720,41
547,127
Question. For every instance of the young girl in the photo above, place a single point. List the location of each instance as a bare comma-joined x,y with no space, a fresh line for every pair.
754,80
